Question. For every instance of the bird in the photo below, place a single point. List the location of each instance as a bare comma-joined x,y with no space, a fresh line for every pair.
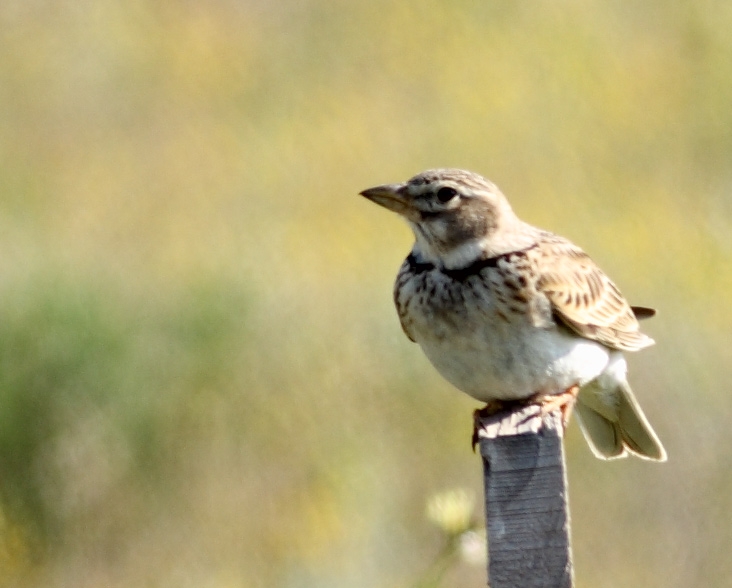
511,313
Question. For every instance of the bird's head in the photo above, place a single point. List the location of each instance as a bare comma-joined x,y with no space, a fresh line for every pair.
457,216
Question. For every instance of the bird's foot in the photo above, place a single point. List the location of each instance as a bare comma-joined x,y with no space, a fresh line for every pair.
564,402
491,408
547,403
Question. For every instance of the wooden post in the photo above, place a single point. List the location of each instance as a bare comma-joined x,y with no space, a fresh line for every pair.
527,510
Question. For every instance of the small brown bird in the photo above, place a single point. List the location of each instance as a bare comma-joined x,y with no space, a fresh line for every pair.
508,312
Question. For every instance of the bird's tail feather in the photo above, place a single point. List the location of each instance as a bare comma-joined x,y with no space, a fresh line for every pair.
614,424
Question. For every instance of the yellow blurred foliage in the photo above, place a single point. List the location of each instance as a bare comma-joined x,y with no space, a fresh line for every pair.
202,378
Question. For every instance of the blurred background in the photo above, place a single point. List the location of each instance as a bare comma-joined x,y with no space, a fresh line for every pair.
203,381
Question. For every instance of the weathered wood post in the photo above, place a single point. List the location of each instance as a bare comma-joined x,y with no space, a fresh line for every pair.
527,511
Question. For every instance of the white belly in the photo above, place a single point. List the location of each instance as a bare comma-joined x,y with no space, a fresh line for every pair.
496,365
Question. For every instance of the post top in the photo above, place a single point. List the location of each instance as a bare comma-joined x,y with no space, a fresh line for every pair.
527,420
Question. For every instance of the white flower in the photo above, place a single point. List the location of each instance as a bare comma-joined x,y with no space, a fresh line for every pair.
473,547
452,511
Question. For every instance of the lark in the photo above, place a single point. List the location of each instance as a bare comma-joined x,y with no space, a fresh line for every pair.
508,312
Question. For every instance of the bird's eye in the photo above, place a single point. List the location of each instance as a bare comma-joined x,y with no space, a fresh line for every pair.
445,194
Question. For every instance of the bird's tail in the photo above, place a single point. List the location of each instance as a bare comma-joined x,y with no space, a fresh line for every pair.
614,424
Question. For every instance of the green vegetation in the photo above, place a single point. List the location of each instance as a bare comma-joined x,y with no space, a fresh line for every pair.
202,379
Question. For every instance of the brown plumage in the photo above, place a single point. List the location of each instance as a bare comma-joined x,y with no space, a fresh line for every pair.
506,311
584,298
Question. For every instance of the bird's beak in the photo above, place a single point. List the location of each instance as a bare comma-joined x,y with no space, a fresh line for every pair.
389,196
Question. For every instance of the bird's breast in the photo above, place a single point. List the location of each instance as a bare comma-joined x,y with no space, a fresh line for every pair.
493,336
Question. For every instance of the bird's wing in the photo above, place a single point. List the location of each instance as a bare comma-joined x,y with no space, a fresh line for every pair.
584,298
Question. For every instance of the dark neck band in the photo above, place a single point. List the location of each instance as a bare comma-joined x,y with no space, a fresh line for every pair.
463,273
